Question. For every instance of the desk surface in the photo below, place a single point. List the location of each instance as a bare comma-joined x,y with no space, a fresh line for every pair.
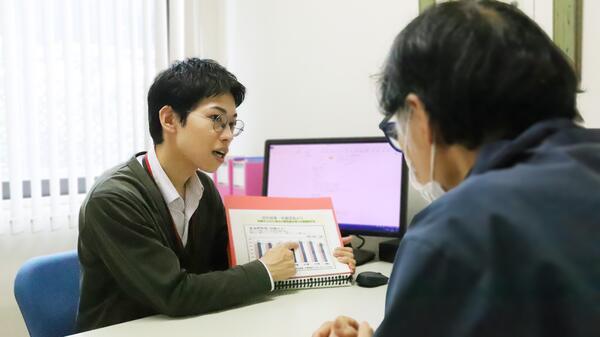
294,313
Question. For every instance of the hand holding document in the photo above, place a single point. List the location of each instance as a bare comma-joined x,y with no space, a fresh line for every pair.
306,225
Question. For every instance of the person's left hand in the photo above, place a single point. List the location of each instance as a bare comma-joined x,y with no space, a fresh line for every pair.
345,255
344,327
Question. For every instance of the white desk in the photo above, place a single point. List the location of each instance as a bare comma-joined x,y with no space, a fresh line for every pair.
294,313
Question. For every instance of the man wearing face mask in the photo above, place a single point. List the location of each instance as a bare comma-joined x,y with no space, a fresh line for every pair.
483,105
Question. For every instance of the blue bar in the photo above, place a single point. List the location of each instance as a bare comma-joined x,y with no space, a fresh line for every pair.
303,251
312,250
323,251
260,253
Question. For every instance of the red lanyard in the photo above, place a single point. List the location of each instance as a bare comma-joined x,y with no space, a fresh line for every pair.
149,169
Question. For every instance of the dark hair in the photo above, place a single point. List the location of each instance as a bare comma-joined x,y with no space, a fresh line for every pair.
183,85
483,70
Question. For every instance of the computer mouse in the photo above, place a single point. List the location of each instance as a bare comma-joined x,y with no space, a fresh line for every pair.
370,279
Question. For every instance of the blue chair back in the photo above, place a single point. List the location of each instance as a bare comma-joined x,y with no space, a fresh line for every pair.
47,291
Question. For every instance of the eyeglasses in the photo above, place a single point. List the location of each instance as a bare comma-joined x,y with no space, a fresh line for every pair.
221,121
389,126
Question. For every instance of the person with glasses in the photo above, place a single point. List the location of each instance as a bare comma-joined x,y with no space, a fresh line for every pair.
483,105
152,231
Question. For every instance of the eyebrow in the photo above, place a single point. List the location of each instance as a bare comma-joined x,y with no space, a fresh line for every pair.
223,110
219,108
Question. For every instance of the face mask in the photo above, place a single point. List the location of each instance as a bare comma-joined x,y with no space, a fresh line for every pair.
430,190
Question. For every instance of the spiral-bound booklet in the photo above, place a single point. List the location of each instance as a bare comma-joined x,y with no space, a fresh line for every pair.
256,224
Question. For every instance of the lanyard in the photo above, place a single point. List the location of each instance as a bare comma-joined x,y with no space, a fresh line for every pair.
149,170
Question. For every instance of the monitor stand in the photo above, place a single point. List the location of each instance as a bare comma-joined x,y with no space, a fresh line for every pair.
362,256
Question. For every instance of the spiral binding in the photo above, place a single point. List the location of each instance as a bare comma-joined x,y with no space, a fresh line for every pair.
314,282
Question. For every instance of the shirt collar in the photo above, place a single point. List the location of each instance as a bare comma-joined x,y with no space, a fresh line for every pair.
193,186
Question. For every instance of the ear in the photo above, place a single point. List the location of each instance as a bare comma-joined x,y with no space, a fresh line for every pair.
168,119
419,121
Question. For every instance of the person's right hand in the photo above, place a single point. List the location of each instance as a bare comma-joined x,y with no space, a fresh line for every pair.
280,261
344,326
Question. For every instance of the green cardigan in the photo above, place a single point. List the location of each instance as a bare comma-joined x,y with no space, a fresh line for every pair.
133,264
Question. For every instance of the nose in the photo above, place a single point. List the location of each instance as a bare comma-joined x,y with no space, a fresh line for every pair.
226,134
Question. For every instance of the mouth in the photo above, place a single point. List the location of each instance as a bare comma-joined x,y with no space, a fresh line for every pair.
220,154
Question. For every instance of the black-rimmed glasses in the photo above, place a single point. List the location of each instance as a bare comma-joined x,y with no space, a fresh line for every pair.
389,126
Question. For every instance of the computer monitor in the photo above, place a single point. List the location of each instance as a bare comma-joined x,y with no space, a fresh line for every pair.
365,178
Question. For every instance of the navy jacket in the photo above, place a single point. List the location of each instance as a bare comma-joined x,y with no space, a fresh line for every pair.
514,250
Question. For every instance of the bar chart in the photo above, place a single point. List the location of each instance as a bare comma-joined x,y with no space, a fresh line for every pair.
313,252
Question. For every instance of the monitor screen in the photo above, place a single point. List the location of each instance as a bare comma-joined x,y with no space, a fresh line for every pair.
365,178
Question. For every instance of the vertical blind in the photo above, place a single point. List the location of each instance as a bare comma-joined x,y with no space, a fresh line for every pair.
73,80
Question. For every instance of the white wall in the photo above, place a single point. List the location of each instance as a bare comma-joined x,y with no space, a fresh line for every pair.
308,65
196,29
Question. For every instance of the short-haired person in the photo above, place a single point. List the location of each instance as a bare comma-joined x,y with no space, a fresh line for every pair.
483,105
152,231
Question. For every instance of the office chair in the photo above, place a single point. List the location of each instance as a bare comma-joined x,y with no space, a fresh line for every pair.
47,291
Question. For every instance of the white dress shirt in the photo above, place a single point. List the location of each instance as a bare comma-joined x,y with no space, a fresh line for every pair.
181,209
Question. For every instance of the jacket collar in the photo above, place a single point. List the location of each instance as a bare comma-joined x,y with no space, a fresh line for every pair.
156,198
506,153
